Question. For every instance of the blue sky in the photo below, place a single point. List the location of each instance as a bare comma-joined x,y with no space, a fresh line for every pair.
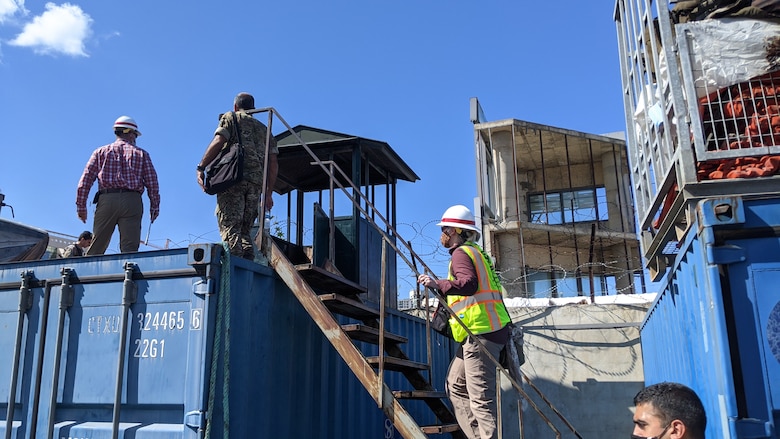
401,72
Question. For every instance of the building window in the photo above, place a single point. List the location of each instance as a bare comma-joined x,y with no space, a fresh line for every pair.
567,207
555,283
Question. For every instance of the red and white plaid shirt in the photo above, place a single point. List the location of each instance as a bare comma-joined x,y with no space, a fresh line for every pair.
119,165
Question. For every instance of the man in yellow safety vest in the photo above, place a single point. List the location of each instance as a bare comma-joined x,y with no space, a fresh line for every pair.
473,292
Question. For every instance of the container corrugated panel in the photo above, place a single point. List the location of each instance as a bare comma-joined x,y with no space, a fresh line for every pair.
284,379
697,96
716,325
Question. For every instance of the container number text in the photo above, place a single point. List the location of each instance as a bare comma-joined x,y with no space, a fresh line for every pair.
166,321
156,321
151,348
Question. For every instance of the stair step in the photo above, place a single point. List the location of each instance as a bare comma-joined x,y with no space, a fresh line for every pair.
370,335
322,279
419,394
397,364
439,429
348,307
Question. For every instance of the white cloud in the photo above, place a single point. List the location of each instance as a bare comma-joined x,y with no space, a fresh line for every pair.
10,7
60,29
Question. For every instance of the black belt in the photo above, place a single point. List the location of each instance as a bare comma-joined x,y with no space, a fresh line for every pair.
115,191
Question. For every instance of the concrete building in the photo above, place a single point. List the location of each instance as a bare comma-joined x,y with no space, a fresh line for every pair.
557,209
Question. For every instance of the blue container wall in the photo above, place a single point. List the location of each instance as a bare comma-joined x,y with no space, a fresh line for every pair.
285,379
70,346
716,325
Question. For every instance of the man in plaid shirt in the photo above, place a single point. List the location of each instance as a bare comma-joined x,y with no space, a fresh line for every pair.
123,171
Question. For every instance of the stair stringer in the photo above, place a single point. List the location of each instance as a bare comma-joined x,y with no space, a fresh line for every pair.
365,373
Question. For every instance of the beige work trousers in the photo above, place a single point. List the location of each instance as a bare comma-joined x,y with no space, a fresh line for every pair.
123,209
471,387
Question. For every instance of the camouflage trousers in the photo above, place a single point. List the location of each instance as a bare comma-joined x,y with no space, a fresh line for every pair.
236,212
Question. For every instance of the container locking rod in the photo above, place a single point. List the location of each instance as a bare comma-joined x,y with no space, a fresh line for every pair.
25,302
129,295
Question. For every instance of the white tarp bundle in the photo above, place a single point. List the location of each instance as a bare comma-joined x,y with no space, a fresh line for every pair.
728,51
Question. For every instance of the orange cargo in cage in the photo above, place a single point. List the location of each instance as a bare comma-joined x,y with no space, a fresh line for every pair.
742,116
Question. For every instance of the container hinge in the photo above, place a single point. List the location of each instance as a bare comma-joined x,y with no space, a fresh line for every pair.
195,419
68,293
25,292
200,288
725,254
130,289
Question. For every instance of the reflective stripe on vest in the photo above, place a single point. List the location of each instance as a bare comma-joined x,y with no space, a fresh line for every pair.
484,311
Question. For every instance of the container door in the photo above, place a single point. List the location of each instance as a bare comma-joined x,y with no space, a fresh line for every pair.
768,307
755,301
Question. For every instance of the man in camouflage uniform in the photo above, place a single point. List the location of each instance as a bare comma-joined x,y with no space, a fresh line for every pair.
237,207
79,248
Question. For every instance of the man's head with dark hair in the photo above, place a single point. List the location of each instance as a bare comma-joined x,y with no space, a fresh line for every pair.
244,101
674,407
85,239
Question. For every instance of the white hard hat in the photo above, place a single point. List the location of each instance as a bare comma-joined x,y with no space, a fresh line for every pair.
459,216
127,122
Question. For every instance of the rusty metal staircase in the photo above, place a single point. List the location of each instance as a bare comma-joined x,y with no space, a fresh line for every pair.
323,293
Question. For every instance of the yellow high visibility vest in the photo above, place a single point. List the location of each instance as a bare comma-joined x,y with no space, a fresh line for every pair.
484,311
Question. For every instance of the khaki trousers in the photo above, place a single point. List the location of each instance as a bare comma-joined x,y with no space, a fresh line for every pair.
471,387
125,210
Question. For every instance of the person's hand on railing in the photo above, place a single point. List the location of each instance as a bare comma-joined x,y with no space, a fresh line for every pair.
427,282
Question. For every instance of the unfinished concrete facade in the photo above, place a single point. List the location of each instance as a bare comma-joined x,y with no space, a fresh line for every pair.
556,209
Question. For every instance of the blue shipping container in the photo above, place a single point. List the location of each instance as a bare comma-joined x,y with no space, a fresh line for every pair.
716,325
142,345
